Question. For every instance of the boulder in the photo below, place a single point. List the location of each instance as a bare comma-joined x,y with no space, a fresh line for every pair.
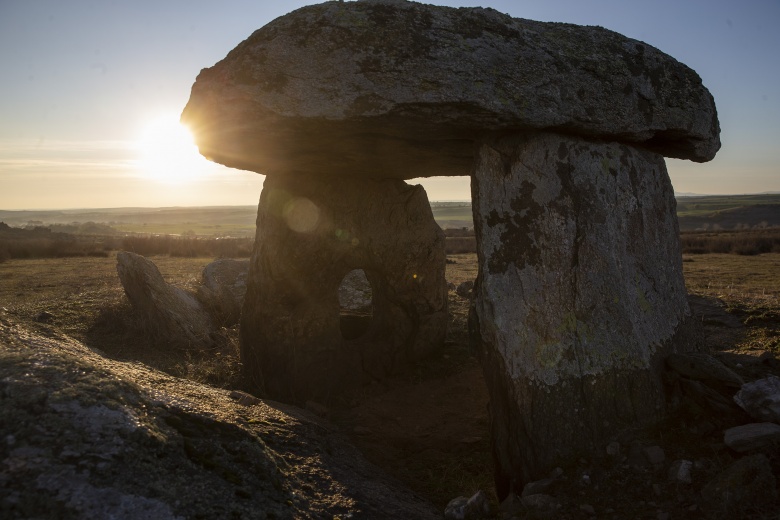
311,233
579,297
753,436
169,314
222,289
761,399
86,437
395,89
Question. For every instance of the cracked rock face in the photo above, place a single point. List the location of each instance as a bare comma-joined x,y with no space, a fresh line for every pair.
401,89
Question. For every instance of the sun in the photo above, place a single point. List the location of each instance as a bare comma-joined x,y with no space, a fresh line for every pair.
168,152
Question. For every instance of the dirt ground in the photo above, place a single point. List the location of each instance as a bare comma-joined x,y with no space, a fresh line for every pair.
428,427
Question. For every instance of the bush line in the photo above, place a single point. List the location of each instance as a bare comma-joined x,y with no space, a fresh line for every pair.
58,245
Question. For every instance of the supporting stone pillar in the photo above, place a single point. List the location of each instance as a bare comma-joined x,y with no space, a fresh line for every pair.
580,295
311,232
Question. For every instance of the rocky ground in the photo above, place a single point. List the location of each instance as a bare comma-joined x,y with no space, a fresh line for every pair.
428,427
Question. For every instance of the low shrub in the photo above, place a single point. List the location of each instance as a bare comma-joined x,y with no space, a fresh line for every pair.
188,247
458,245
745,242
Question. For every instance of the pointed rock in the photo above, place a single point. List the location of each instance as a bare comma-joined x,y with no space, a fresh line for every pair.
169,314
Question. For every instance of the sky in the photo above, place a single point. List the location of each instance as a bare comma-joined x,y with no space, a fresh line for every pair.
90,88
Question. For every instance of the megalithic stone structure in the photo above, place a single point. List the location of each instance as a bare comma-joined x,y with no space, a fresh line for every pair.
563,130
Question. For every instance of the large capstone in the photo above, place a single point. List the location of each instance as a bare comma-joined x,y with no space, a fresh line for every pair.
579,297
313,232
395,89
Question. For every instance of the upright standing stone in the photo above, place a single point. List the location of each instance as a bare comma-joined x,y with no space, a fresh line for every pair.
310,234
580,295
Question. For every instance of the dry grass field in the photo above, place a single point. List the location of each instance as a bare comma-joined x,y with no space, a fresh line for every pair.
428,426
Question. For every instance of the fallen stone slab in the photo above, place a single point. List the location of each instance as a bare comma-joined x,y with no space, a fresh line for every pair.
169,314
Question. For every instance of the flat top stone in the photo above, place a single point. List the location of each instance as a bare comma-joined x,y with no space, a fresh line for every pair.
390,88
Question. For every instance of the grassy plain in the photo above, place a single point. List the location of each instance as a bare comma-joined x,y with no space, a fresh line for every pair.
428,426
708,204
749,288
724,211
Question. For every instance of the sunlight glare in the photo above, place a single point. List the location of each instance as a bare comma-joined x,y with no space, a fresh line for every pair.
168,152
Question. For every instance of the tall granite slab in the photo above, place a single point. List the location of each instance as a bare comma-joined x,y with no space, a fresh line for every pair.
580,295
310,234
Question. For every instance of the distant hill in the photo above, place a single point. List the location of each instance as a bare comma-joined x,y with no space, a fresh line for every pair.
705,212
209,220
728,212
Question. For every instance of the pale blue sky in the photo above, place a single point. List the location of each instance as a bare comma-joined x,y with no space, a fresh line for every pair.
80,80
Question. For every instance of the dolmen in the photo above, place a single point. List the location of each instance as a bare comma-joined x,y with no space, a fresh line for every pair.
563,130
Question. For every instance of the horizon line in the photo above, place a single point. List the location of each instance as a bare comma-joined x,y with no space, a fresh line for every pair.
683,194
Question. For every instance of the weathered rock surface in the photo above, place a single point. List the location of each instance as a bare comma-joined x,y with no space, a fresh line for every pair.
387,88
579,296
222,289
311,232
761,399
168,313
87,438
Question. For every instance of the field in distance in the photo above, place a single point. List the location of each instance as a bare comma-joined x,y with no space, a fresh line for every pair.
706,213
